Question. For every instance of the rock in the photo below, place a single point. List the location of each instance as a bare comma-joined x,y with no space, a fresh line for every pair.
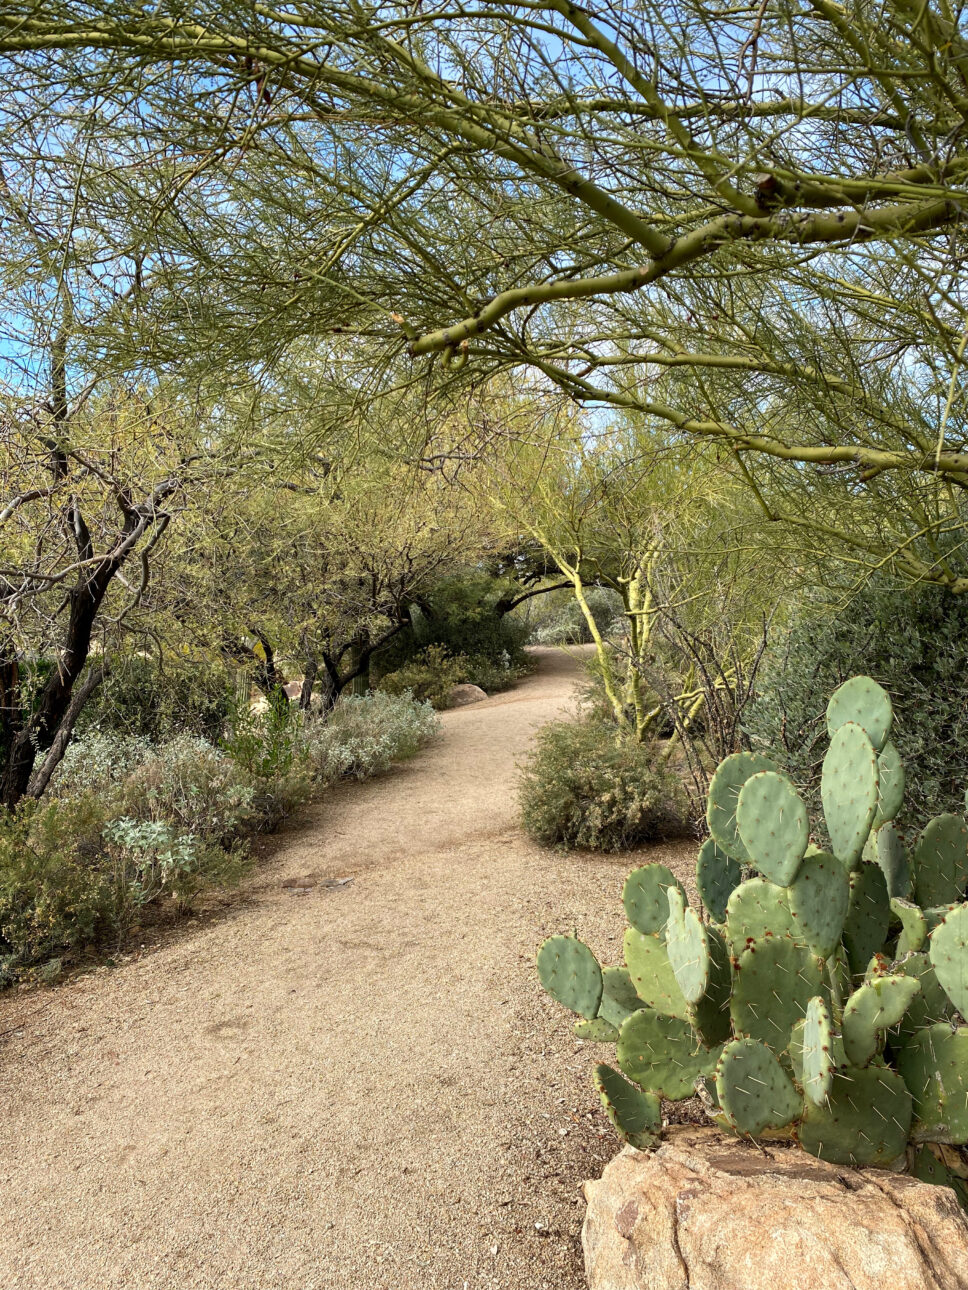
460,695
709,1212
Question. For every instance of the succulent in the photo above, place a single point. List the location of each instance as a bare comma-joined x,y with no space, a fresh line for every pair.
816,995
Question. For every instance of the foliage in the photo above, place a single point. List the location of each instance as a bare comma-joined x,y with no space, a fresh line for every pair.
365,734
569,626
585,785
141,697
822,999
128,823
429,676
915,643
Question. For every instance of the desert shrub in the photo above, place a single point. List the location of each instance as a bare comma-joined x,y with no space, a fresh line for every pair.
365,734
429,677
53,894
140,698
494,675
568,625
194,787
582,786
99,761
915,643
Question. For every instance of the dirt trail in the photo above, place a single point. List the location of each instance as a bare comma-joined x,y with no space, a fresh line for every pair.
354,1087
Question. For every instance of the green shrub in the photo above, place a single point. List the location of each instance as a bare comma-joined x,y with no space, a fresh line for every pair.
915,643
583,787
139,698
429,677
365,734
569,626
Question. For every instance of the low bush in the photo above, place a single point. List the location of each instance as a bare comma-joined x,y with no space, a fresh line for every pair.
915,643
128,823
582,786
429,677
365,734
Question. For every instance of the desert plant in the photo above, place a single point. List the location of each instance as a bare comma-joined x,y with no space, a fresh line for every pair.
428,677
914,642
587,785
825,997
365,734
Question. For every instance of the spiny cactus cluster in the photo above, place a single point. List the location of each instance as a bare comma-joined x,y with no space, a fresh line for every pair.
821,995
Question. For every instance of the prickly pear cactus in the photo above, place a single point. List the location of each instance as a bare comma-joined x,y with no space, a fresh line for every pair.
821,996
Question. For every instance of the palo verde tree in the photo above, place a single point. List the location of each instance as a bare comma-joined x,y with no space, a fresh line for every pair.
741,224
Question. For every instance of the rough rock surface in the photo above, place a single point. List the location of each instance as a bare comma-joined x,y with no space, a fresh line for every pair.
705,1212
464,694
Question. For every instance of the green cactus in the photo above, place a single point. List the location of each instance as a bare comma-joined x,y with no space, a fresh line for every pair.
569,971
817,1051
825,997
872,1009
662,1054
637,1116
848,789
772,823
865,703
819,897
949,956
941,861
645,899
758,908
753,1089
885,847
868,916
890,784
724,790
717,876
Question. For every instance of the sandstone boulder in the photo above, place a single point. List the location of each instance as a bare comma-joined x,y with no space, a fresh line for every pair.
461,695
708,1212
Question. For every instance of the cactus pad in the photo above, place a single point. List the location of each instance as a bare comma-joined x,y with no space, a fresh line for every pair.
636,1116
569,971
710,1016
753,1089
848,787
885,848
929,1006
868,916
819,896
873,1008
652,976
687,948
817,1052
724,790
949,956
775,979
772,823
914,927
717,874
934,1064
645,897
865,1119
662,1054
758,908
941,861
596,1031
618,996
864,702
890,784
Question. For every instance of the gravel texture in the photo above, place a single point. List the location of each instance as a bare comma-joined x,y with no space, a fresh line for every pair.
330,1087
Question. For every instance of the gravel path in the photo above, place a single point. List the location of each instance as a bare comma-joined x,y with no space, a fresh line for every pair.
329,1088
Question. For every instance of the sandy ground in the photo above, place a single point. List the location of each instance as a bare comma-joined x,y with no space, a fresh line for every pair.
329,1087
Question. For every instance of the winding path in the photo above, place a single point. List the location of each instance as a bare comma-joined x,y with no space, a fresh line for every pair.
328,1088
